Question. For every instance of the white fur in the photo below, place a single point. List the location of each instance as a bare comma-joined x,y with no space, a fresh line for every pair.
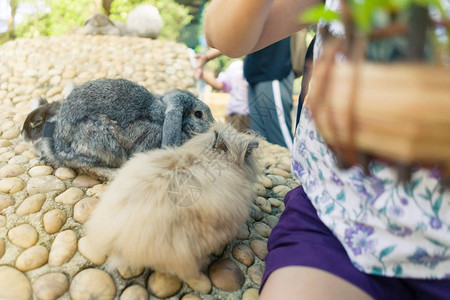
169,209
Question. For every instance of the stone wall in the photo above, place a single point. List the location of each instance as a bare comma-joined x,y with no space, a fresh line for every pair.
46,66
43,254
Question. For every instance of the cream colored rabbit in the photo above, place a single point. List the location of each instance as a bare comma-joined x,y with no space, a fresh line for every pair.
168,209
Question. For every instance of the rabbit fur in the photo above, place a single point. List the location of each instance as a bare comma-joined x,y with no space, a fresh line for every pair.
169,209
102,123
33,125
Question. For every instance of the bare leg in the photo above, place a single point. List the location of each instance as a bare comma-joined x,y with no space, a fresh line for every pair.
299,282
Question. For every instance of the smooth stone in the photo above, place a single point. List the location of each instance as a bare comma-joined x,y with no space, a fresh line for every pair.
32,258
6,156
50,286
163,285
279,172
65,173
40,171
30,154
70,196
20,148
6,201
54,220
293,185
134,292
201,284
262,229
285,167
259,189
255,212
250,294
243,232
277,180
226,275
63,248
97,190
243,254
219,251
271,221
267,161
259,247
85,181
23,236
31,205
14,285
263,204
281,190
18,160
11,185
5,143
129,272
11,133
93,254
266,182
12,170
256,273
275,202
45,184
2,221
2,247
92,284
83,209
190,297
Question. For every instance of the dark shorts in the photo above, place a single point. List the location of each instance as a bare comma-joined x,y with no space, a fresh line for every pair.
301,239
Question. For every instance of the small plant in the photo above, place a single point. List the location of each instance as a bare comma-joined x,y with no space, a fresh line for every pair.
421,27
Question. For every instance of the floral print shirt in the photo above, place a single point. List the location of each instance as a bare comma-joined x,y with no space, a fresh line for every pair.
387,228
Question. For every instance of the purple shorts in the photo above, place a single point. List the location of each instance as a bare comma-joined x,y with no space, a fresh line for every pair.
301,239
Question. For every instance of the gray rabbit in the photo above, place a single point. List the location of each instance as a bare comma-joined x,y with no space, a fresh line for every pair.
102,123
43,112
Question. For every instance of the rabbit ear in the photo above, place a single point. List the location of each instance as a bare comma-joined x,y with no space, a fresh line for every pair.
177,103
219,142
37,121
252,145
171,131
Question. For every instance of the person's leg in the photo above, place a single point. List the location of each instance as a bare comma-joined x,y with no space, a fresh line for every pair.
300,239
286,87
240,122
257,118
267,112
299,282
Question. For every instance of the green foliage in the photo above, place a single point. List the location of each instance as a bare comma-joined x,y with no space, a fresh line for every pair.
366,13
64,15
175,16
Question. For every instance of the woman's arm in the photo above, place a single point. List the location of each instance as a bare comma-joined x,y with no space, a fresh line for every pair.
212,81
239,27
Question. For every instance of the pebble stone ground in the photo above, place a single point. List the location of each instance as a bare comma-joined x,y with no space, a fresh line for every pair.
43,254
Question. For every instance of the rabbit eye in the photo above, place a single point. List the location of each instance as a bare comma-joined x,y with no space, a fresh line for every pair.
198,114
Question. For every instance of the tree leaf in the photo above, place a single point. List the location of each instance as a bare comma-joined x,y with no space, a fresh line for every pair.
317,13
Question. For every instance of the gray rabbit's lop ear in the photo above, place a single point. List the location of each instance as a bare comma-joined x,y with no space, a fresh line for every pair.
177,103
